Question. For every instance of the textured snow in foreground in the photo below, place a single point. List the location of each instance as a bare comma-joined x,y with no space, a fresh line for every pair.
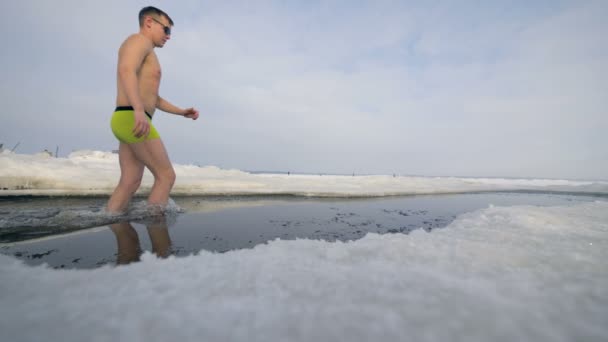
94,172
500,274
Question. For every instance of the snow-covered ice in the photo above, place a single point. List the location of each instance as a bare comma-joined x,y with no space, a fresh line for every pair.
95,172
501,273
521,273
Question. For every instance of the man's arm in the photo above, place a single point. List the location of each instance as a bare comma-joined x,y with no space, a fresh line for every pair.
130,58
168,107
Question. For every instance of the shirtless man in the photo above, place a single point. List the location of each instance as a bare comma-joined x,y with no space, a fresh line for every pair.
138,82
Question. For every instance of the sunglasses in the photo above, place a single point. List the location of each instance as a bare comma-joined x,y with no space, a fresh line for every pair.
167,29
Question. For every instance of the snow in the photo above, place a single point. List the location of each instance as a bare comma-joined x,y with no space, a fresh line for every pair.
519,273
97,173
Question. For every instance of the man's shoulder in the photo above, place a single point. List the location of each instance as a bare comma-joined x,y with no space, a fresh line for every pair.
138,40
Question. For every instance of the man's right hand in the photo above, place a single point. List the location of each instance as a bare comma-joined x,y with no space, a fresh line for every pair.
142,126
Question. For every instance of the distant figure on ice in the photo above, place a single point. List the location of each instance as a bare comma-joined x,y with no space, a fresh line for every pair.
138,82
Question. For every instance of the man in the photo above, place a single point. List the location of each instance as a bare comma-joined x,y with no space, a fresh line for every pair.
137,99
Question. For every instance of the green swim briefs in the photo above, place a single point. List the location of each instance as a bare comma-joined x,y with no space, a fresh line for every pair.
123,122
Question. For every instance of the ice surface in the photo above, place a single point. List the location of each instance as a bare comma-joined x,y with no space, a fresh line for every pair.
95,172
17,223
520,273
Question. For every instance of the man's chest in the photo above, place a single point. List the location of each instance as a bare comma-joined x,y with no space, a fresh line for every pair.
151,66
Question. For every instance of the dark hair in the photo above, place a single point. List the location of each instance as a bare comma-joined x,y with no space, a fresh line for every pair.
150,10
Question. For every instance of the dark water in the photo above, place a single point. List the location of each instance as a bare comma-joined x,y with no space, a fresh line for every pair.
221,224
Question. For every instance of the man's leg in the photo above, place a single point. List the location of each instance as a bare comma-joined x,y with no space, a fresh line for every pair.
131,171
153,155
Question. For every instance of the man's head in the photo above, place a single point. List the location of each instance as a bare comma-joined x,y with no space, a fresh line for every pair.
155,24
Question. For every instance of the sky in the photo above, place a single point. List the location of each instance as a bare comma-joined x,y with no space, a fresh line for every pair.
435,88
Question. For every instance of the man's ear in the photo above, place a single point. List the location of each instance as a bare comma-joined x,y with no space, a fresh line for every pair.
147,21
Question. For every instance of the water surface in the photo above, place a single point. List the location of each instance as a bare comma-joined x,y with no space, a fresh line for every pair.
221,224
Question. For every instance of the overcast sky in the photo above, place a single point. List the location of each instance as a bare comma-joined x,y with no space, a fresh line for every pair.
477,88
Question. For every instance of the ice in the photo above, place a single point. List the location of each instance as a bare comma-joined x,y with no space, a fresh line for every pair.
97,173
17,222
521,273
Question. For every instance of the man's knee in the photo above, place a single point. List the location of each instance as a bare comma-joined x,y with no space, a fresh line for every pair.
131,184
171,176
167,175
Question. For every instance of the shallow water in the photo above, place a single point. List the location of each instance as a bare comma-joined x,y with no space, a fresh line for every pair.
220,224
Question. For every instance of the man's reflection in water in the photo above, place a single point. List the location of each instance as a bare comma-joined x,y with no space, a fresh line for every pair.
127,240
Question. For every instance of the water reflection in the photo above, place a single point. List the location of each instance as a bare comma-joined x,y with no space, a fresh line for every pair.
212,226
128,245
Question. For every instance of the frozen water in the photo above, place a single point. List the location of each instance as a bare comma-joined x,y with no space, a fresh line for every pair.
41,221
502,273
522,273
95,172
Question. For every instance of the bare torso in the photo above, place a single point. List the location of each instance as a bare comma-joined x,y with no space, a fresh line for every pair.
148,80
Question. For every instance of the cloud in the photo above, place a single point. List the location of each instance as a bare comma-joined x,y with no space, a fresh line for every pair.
378,87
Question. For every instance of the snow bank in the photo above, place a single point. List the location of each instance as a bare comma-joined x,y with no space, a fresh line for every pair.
95,173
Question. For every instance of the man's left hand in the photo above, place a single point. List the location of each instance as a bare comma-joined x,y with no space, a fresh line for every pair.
191,113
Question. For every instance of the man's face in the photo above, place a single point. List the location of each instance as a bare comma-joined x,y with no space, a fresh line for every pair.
159,28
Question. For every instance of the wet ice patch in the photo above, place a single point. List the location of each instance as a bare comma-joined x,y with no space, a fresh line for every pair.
17,223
